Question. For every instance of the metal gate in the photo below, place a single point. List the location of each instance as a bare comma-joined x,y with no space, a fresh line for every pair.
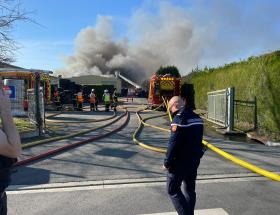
221,107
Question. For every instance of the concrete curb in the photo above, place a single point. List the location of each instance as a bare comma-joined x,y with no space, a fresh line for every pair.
124,181
262,141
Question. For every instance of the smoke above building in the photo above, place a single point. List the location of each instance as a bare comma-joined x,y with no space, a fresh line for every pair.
203,34
156,44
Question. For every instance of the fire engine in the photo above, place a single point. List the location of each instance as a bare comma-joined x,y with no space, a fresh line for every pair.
165,86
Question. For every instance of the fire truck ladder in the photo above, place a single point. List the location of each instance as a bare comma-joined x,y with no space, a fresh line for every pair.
118,75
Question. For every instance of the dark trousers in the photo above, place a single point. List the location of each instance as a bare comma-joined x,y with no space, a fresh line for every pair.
114,106
107,106
3,204
96,104
184,202
93,107
80,106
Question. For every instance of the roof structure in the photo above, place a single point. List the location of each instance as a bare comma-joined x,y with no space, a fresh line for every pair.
8,66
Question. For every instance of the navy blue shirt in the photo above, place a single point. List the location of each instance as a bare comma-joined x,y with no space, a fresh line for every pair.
185,143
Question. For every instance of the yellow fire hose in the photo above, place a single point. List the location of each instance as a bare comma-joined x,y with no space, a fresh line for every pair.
166,103
226,155
134,136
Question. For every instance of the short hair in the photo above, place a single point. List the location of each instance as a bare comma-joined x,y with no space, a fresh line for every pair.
177,99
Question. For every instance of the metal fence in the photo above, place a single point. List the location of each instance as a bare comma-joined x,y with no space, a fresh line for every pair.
217,106
245,115
27,106
26,103
15,90
32,108
225,111
220,107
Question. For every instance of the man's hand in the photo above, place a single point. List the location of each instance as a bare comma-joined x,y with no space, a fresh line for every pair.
5,104
164,168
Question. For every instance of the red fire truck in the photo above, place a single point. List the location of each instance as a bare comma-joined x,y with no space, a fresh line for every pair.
165,86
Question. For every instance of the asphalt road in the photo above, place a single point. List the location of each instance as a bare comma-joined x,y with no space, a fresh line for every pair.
249,197
80,176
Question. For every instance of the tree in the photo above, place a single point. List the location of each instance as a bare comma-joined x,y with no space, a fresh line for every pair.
172,70
10,13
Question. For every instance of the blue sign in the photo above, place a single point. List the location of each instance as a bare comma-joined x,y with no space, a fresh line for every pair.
10,91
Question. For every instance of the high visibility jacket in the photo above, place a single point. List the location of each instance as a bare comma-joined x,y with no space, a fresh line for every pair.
80,97
92,98
106,97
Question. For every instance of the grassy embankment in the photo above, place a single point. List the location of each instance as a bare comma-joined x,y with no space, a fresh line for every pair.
255,77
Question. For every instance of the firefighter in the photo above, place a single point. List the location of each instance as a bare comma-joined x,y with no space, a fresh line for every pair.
93,100
56,94
106,99
80,100
74,101
57,99
114,100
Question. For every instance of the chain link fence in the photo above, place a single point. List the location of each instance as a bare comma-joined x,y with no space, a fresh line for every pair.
15,90
27,105
245,115
32,106
232,114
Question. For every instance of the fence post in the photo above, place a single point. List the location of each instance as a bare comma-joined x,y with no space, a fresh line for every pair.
255,114
214,106
230,109
39,120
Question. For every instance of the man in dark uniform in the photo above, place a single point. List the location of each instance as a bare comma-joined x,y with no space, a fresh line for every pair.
10,147
183,155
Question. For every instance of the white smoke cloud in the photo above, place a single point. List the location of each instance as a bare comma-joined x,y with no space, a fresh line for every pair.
168,39
204,33
162,42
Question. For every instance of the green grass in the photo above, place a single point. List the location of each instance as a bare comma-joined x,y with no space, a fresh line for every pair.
23,125
255,77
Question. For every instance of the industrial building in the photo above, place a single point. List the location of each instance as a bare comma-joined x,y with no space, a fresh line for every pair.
94,80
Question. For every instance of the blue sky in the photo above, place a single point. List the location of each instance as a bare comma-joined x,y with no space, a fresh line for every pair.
254,25
59,21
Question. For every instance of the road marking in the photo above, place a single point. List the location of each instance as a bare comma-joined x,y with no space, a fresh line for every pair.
214,211
110,184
